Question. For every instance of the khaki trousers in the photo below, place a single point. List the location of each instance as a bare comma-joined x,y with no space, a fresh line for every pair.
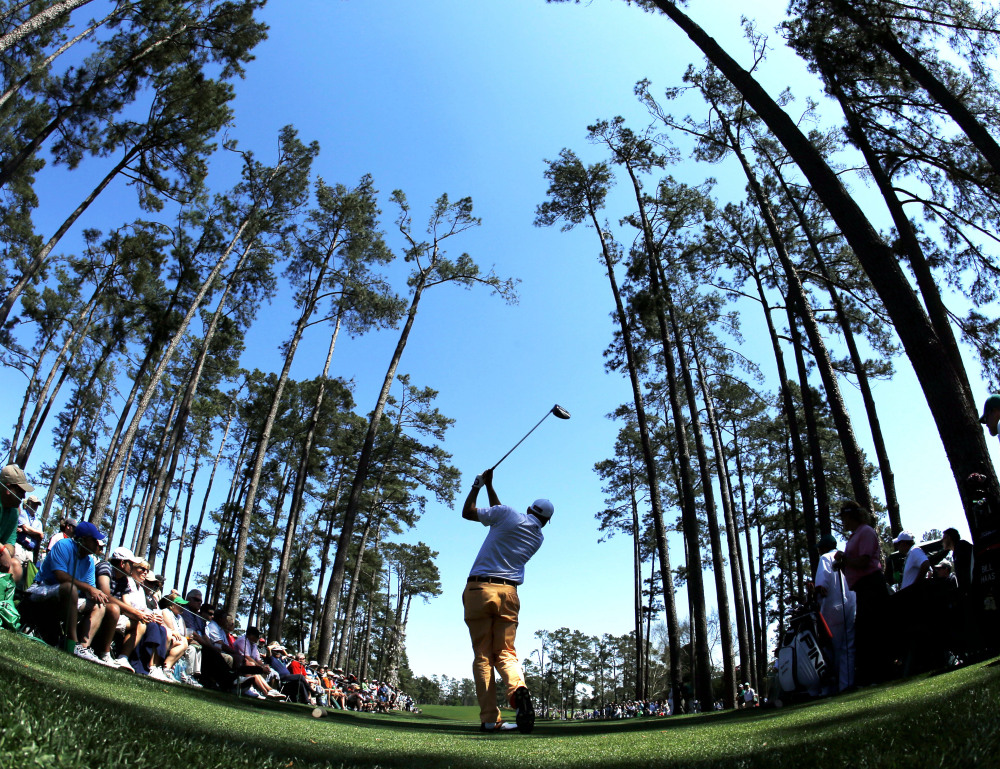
491,615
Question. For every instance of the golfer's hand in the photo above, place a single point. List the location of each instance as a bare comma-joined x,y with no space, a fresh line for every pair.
477,483
487,477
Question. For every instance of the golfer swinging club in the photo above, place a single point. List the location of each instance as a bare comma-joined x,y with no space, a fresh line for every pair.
491,602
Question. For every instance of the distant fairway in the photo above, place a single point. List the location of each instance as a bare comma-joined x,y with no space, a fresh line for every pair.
56,711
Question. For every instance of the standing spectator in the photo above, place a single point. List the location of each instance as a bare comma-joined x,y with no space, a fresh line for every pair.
66,585
961,556
917,563
13,486
492,604
66,527
991,413
838,605
862,564
29,530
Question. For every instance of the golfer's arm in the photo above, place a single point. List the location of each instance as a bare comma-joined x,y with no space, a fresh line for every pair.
494,499
469,508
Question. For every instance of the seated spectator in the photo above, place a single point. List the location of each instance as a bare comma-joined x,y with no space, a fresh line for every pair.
219,632
214,672
29,531
66,527
66,586
13,486
113,580
943,571
154,647
172,611
291,684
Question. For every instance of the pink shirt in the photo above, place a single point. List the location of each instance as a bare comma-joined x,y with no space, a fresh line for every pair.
863,542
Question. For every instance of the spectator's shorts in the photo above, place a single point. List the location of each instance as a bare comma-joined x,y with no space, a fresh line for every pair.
123,622
39,593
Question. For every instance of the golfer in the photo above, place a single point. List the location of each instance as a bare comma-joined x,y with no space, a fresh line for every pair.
491,602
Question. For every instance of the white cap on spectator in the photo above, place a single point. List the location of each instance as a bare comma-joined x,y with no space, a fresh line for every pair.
123,554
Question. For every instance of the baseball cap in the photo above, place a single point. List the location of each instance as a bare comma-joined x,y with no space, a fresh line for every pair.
992,403
194,594
542,507
13,475
123,554
904,536
178,600
87,529
827,543
33,499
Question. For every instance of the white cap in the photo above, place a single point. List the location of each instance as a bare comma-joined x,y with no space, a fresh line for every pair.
123,554
904,536
542,508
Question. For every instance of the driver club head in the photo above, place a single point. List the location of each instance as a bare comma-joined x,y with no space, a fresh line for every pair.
560,412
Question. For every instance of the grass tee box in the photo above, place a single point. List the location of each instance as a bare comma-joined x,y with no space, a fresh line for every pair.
57,712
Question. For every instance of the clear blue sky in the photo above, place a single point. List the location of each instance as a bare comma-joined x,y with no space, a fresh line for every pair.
469,99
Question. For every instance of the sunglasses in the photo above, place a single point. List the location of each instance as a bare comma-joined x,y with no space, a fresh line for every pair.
142,569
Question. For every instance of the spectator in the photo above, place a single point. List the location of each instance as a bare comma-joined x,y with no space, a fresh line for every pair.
155,645
748,697
837,604
13,486
29,530
943,571
220,632
863,567
113,580
216,667
962,558
293,685
917,563
66,586
66,527
172,611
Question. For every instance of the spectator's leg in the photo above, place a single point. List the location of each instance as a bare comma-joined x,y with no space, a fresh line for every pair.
10,564
68,598
109,623
91,616
176,652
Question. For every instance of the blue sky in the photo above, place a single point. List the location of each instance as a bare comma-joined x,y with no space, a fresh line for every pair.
469,99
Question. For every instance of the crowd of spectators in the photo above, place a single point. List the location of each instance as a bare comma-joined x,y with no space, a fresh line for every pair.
116,613
613,711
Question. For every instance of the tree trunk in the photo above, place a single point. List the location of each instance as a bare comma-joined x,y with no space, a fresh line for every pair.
100,504
940,377
732,538
37,22
196,537
278,607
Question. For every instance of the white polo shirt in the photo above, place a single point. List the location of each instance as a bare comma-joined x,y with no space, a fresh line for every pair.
513,538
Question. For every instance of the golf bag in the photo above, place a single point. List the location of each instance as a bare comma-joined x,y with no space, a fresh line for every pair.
804,659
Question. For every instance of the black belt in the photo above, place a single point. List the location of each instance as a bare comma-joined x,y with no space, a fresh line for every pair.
494,580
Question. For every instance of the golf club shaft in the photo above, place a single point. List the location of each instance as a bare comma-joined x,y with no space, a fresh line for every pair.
520,441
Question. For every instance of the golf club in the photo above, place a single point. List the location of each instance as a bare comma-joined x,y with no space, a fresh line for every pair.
558,410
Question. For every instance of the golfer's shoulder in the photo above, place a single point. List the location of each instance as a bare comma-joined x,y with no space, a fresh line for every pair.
497,514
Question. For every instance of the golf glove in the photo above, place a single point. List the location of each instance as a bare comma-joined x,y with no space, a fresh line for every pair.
478,483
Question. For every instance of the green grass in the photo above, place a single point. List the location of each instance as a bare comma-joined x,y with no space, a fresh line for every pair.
59,712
